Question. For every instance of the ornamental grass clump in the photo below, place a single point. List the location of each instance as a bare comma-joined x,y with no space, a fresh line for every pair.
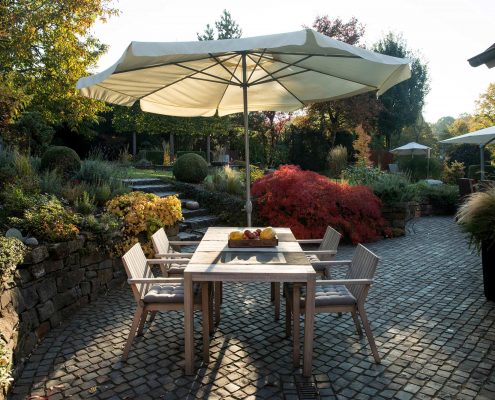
143,214
476,217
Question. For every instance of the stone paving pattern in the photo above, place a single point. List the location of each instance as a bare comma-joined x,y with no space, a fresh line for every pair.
434,331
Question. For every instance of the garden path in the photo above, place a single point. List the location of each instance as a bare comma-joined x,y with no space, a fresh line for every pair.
434,331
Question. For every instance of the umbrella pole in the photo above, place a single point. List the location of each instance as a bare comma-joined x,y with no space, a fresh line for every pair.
249,205
482,162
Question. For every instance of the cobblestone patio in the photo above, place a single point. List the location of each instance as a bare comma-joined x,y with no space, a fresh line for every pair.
434,331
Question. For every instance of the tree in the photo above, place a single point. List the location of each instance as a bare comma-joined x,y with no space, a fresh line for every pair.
45,47
403,103
226,27
362,146
441,128
485,108
345,114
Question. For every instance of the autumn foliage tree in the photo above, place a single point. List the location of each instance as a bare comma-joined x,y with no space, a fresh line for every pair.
345,114
308,202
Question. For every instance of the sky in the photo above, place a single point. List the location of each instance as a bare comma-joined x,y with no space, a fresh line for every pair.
444,33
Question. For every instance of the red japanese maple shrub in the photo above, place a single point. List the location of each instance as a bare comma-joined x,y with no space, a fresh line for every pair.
308,202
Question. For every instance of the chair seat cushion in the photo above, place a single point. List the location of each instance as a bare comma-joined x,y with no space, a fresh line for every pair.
327,295
176,269
170,293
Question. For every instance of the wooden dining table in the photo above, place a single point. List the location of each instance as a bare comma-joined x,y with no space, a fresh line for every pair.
214,261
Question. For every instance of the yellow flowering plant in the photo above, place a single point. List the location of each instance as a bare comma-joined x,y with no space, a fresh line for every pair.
143,214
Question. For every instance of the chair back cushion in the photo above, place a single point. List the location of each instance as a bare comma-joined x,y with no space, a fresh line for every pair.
330,241
136,267
160,242
363,266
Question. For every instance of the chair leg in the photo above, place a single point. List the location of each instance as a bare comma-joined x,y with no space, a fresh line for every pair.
152,317
141,323
205,301
218,301
276,299
272,291
369,334
132,332
356,323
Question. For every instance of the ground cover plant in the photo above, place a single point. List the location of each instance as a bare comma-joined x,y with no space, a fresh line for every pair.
308,202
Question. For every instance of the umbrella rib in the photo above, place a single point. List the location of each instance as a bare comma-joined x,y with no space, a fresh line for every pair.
330,75
225,68
313,55
116,91
183,78
165,64
222,80
258,82
227,86
281,84
283,68
256,63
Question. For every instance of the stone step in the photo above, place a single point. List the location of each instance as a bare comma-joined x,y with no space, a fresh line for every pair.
164,187
199,222
189,236
194,213
165,194
142,181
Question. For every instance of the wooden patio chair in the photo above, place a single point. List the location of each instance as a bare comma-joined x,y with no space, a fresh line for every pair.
160,294
340,295
164,249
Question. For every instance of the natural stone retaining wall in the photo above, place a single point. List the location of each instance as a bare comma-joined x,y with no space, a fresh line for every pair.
52,283
398,214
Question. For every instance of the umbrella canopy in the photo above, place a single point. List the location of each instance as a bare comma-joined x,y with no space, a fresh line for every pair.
282,72
412,149
480,137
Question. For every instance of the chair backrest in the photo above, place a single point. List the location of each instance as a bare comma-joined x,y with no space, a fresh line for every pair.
331,241
363,266
136,267
160,242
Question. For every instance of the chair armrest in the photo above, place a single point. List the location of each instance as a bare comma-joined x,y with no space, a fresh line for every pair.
160,261
345,282
331,263
309,241
184,243
154,280
174,255
322,252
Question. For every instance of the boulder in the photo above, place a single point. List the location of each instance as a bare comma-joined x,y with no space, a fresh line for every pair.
14,233
192,205
32,241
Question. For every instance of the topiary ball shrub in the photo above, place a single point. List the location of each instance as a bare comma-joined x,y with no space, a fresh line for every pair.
308,202
63,159
190,168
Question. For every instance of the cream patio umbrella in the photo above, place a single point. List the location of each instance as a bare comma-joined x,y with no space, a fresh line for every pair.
413,149
282,72
482,138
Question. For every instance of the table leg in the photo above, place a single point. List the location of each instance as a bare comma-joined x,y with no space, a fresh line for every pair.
309,326
188,324
218,300
296,299
205,305
276,299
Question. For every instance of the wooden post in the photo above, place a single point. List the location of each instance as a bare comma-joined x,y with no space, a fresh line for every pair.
172,149
208,149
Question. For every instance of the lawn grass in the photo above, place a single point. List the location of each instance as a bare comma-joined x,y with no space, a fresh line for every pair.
147,173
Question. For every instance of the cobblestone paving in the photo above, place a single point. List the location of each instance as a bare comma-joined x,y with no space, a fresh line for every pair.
434,331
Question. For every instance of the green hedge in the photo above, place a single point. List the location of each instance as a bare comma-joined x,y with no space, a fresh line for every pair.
153,156
199,153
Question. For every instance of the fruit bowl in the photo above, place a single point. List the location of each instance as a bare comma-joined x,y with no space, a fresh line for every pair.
253,239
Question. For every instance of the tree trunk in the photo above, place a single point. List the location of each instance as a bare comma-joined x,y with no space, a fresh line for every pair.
172,148
208,150
488,263
134,144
